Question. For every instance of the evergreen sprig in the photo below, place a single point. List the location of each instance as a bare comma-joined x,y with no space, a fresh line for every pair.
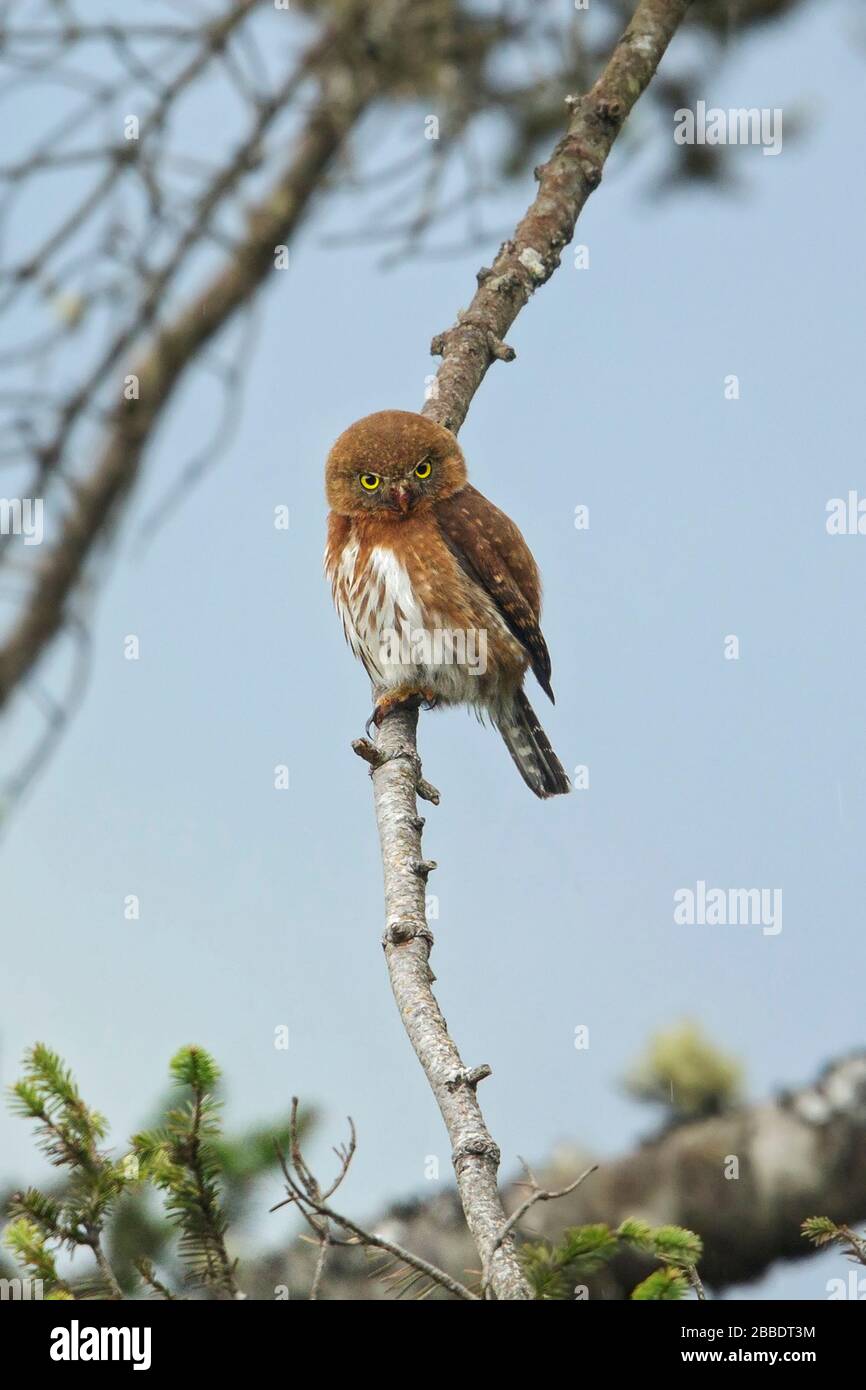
553,1270
103,1203
821,1231
182,1159
662,1285
70,1134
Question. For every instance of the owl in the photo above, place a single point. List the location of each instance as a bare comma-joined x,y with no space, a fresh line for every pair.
437,590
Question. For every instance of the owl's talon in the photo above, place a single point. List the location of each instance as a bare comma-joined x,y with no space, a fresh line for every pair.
378,714
412,699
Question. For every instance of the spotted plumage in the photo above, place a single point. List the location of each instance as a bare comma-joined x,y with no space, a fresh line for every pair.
436,588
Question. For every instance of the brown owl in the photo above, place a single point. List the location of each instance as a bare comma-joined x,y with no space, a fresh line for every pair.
437,589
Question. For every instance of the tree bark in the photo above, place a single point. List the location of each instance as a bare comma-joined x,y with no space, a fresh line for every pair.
523,263
407,942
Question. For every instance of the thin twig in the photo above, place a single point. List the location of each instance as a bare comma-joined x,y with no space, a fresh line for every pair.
148,1274
370,1238
538,1194
305,1193
115,1292
695,1281
324,1247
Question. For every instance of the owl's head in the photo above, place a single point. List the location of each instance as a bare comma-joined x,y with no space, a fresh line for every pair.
392,463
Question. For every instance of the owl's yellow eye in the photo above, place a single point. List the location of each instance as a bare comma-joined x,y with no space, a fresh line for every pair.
369,481
424,469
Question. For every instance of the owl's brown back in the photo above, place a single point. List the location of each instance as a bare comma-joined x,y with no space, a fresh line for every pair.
492,551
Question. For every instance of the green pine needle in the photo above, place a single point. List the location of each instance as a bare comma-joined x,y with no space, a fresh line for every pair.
663,1285
192,1066
820,1230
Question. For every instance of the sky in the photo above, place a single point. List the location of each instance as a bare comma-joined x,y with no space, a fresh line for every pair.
261,908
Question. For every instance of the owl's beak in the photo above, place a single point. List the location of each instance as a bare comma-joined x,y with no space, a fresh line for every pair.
401,498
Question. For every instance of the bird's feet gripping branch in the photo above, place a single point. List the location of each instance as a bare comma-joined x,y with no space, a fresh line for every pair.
404,697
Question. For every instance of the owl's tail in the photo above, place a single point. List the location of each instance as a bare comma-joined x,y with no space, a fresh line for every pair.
530,748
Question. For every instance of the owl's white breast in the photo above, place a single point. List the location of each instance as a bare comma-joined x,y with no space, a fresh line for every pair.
398,602
376,603
398,640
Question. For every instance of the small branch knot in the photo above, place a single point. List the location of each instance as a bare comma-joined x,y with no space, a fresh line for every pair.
423,867
406,929
610,111
427,791
369,753
476,1146
501,351
469,1076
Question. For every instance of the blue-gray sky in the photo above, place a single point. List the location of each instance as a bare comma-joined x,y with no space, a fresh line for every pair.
707,518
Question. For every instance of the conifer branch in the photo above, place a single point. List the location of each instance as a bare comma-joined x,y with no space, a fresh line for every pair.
695,1280
187,1159
115,1292
148,1275
69,1134
183,1161
555,1270
821,1231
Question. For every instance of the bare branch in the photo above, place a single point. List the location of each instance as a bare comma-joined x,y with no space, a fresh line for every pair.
528,259
304,1192
539,1194
523,263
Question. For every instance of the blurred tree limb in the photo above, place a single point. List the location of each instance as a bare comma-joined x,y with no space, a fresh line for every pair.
800,1152
346,82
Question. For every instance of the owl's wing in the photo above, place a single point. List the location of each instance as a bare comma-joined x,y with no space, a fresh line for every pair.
490,549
